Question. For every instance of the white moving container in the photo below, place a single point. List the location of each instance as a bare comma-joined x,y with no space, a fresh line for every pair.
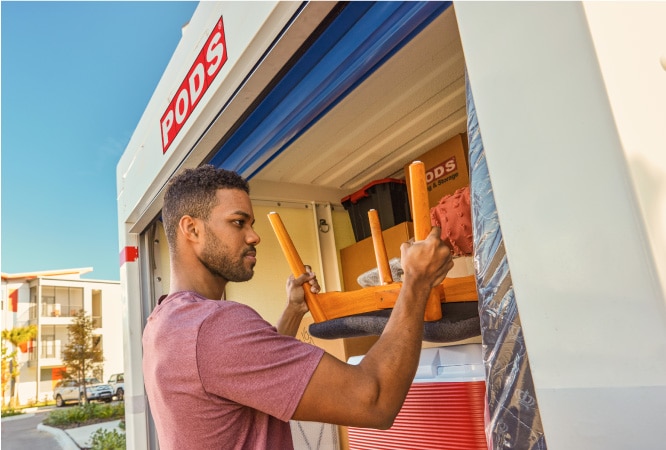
314,100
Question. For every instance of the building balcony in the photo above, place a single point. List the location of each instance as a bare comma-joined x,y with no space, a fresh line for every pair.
49,355
60,310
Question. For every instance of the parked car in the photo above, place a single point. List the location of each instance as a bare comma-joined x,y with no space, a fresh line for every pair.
117,383
72,391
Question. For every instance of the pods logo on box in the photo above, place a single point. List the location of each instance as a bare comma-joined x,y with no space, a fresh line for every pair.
212,57
441,170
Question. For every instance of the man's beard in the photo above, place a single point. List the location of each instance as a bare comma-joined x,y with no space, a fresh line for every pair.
217,259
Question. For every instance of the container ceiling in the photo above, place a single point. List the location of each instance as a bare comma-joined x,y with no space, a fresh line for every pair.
412,103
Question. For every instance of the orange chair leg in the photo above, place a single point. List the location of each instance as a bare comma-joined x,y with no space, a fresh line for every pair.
421,218
295,264
383,267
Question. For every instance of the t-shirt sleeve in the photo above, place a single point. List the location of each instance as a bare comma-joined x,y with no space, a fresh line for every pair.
243,358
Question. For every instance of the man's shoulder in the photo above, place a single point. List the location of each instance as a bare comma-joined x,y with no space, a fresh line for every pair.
227,309
184,307
231,310
188,299
187,296
191,308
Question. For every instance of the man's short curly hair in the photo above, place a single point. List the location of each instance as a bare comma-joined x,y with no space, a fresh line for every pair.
193,193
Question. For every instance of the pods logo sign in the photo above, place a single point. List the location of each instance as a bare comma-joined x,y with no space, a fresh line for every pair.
207,65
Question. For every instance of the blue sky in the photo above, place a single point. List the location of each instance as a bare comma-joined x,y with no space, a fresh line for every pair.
76,77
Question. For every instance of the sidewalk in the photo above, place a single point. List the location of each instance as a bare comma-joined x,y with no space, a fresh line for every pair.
79,437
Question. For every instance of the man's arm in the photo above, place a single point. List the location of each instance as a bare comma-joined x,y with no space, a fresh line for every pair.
372,393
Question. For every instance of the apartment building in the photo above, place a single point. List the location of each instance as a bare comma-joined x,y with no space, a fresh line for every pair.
50,300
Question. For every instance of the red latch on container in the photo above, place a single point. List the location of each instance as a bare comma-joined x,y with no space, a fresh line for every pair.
362,193
128,254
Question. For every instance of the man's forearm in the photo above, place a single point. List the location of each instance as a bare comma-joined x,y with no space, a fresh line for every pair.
396,354
289,321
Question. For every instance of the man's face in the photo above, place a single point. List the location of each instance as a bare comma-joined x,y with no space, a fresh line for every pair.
229,246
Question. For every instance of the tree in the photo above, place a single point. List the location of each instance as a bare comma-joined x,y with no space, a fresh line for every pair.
81,356
7,372
10,367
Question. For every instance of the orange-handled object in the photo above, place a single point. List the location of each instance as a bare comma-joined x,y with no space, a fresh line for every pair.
422,227
385,276
295,264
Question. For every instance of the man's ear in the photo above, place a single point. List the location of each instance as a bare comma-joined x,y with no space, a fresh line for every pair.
190,228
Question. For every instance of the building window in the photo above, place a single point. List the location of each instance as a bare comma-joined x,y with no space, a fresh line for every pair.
97,308
50,348
33,302
71,298
61,301
49,307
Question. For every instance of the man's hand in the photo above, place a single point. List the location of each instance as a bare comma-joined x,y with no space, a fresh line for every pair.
295,286
296,306
426,262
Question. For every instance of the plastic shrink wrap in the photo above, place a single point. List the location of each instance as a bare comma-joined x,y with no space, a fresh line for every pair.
512,418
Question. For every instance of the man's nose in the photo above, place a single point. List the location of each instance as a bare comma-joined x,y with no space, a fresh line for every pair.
252,237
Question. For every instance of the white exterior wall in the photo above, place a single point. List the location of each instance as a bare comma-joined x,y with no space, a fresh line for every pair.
21,317
112,327
26,387
630,43
570,106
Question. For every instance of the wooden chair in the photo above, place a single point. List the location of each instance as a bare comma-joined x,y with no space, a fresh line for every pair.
331,305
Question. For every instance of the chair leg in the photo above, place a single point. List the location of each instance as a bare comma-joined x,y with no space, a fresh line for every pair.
422,226
383,267
295,264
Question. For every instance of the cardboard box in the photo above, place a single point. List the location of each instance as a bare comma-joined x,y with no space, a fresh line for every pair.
447,168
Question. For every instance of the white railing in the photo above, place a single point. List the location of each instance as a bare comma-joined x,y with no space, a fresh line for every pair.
50,349
51,310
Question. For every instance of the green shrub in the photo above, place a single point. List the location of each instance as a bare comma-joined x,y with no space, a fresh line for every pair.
7,412
81,414
69,416
108,440
115,411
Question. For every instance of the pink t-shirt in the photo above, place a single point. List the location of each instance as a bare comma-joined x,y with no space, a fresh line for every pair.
218,376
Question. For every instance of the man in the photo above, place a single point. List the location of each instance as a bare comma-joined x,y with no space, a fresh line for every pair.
220,377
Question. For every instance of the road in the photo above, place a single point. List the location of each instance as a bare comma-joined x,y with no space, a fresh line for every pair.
20,433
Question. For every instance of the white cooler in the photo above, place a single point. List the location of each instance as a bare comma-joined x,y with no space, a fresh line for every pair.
444,409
